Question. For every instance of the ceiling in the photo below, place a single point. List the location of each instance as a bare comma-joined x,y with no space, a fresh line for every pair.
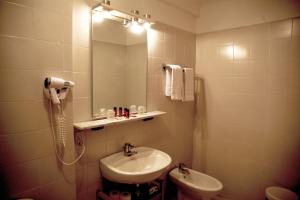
190,6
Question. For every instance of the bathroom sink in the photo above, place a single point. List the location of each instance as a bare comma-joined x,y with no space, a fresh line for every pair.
147,165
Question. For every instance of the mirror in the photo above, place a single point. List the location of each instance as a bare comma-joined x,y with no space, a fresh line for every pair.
120,60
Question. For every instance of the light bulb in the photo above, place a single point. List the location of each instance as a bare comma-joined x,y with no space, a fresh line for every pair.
106,14
134,23
126,23
147,25
97,17
136,28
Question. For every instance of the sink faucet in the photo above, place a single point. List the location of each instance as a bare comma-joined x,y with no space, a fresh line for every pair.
183,169
127,149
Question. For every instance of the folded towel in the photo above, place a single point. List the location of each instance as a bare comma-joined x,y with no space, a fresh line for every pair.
174,82
188,80
168,82
169,78
177,83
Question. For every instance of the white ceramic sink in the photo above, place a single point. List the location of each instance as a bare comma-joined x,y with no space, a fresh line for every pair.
147,165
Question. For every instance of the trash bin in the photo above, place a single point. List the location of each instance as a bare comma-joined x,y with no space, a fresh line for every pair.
280,193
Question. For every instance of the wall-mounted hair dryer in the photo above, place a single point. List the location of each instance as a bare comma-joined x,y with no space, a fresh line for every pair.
57,88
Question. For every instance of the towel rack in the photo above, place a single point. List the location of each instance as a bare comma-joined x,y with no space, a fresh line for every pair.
168,67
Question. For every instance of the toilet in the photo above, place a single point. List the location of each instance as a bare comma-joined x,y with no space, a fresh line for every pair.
195,185
280,193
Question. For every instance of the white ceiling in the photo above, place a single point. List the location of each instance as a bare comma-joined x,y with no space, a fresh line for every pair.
190,6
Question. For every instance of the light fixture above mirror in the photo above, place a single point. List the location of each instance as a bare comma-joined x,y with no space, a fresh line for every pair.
136,23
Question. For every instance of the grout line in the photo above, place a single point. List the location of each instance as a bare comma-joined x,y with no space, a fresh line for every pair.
36,39
18,4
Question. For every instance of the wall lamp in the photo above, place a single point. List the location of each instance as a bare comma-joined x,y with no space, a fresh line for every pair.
133,20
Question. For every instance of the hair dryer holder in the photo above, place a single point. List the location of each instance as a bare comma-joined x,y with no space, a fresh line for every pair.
56,89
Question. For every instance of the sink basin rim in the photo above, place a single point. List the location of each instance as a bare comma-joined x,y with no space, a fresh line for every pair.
110,166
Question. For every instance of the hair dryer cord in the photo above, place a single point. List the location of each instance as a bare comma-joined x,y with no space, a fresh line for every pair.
62,137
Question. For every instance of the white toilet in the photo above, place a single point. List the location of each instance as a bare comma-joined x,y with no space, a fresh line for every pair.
195,185
280,193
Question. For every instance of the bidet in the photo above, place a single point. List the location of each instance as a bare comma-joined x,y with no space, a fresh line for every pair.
195,185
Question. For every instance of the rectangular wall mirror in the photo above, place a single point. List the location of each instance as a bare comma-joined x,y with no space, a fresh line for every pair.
119,59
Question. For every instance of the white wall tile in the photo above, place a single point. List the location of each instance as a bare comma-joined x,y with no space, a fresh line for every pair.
82,109
21,147
48,55
21,177
23,2
83,86
60,190
15,116
24,119
281,29
249,123
19,85
16,20
17,53
82,59
59,6
47,25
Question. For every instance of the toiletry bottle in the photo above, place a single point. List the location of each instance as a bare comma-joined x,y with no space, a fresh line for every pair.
120,111
116,111
126,112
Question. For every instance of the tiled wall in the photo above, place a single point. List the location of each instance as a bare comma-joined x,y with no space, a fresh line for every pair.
171,133
35,42
249,107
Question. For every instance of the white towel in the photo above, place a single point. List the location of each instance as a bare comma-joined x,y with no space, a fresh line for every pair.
169,77
177,83
174,82
168,82
188,80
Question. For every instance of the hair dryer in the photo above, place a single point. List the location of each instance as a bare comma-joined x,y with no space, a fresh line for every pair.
57,88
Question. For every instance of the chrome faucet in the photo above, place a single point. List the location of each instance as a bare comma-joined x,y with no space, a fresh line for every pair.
127,149
183,169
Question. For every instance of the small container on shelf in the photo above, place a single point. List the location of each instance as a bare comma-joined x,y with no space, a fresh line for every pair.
126,113
110,114
141,109
102,112
120,112
116,111
133,109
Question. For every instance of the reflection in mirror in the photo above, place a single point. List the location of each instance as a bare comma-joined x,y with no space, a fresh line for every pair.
119,66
